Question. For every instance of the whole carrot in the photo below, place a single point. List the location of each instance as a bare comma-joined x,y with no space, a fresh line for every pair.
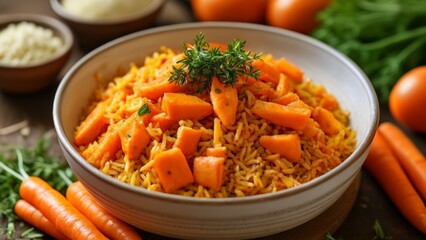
385,168
31,215
109,225
408,155
58,210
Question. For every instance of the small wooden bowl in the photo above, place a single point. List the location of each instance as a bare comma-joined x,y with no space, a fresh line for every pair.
93,33
35,76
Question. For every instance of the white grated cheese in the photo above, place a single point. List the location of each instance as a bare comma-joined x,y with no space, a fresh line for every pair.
26,43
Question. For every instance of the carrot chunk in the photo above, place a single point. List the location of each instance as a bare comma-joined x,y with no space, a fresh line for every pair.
329,124
187,139
267,71
134,136
216,152
156,89
313,130
259,88
108,147
286,98
209,171
172,169
179,106
162,121
225,101
92,127
286,145
289,69
281,115
283,86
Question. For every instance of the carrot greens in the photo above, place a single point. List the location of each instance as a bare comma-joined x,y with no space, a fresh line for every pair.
202,62
39,162
385,38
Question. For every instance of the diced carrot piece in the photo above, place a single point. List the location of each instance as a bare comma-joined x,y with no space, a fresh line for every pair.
134,136
313,131
179,106
329,102
287,98
209,171
289,69
267,71
283,86
216,152
259,88
153,110
286,145
281,115
187,139
225,101
108,147
92,127
172,169
299,104
329,124
156,89
162,121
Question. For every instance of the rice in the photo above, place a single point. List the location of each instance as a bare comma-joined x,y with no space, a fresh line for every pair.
249,168
26,43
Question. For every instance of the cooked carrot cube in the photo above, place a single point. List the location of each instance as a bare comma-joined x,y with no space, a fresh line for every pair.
209,171
172,169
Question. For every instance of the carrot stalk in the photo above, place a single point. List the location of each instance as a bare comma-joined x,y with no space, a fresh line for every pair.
58,210
34,217
109,225
384,166
408,155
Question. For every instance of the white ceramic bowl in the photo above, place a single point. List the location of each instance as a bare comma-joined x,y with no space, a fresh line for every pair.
231,218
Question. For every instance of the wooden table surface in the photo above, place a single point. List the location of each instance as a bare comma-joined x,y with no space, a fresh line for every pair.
371,203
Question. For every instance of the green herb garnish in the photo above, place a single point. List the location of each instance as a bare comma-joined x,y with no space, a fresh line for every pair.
201,63
144,110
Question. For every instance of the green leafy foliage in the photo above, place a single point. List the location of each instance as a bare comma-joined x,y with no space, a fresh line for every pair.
36,161
386,38
202,62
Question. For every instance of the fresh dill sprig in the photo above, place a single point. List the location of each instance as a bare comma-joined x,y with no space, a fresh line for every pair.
202,62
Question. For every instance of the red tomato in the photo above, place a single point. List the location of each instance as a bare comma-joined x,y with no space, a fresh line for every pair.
229,10
407,100
295,15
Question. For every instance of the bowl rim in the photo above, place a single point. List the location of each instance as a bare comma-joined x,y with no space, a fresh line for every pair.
362,145
46,22
152,7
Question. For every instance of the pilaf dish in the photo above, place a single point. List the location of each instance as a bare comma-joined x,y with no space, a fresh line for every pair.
214,121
